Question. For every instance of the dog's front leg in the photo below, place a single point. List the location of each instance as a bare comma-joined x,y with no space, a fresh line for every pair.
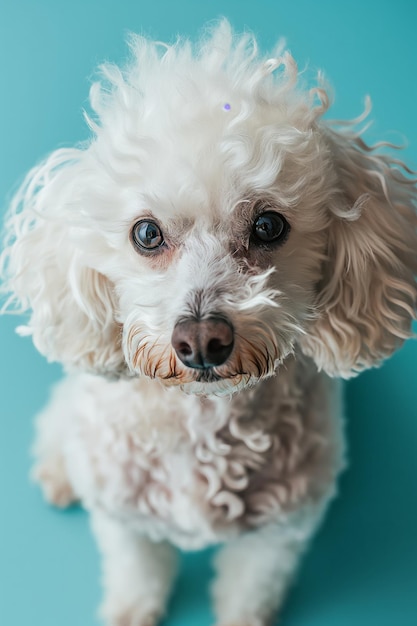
254,572
137,574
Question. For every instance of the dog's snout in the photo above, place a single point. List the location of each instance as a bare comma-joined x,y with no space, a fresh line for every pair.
202,344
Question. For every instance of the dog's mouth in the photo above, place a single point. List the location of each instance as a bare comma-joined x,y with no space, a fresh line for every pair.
205,376
208,376
208,381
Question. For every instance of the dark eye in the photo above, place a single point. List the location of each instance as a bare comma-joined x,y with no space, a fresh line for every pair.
270,227
147,235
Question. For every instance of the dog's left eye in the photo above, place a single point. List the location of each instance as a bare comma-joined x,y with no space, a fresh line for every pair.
270,227
147,235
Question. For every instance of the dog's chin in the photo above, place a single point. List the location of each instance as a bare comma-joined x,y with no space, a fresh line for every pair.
210,384
222,387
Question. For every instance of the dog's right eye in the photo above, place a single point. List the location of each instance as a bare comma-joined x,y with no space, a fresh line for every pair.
147,236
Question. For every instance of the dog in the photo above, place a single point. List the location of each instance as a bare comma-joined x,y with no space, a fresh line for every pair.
207,269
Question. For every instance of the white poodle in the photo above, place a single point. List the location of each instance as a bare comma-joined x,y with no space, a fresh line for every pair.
205,268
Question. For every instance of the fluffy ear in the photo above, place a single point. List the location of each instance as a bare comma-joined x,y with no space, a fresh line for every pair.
367,298
46,271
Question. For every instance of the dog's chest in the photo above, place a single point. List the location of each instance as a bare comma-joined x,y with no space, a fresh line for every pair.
201,470
175,494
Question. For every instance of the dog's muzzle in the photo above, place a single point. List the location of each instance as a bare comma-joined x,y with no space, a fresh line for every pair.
203,344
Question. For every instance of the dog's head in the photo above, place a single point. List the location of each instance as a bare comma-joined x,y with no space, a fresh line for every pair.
213,225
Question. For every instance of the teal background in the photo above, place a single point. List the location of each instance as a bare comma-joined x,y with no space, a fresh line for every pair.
362,568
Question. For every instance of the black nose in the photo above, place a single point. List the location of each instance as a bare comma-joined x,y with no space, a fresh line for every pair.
203,344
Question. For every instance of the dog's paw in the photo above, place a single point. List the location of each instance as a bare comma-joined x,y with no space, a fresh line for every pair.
133,617
52,477
246,622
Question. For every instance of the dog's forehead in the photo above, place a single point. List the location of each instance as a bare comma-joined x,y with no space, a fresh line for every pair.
196,211
205,172
197,160
193,181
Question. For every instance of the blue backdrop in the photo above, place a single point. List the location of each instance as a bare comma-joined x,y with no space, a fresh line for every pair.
362,568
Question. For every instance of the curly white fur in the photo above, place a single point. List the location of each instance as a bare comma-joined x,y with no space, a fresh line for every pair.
201,139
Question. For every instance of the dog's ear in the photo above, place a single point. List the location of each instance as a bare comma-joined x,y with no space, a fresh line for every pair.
47,274
367,298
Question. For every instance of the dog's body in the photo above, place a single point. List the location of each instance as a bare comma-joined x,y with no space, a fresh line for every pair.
217,254
255,471
195,471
